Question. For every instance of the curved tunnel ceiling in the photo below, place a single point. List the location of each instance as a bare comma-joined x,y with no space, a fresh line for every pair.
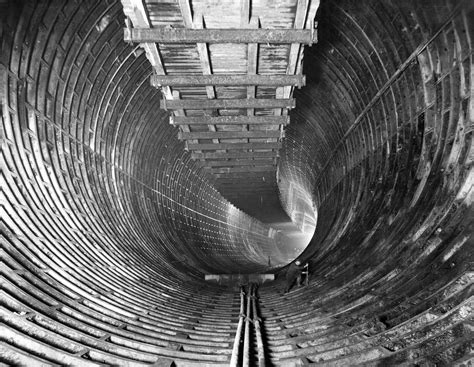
104,216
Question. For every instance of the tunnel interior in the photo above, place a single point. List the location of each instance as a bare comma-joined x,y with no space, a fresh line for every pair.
108,225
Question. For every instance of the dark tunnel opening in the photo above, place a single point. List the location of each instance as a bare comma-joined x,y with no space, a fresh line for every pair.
109,226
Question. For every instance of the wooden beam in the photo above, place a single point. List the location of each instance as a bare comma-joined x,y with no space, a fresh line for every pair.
235,155
205,60
203,52
227,80
234,146
236,163
244,13
180,113
202,49
236,194
236,183
256,134
313,8
295,55
199,104
304,18
254,185
136,12
269,168
229,120
247,176
235,188
237,197
252,59
246,181
245,193
240,181
186,36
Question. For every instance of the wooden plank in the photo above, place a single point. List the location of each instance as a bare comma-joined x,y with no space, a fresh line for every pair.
136,12
305,9
234,146
256,134
251,179
313,8
231,185
246,190
278,95
247,176
199,104
236,163
227,80
239,191
180,113
186,36
227,181
236,183
242,191
229,120
235,155
294,55
203,52
205,63
244,13
304,17
269,168
252,62
235,195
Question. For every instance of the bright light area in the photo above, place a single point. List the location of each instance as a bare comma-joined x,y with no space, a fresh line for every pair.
294,237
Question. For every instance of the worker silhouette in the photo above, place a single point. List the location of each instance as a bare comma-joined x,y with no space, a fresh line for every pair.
293,273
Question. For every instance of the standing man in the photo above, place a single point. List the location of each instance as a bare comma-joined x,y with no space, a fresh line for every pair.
293,273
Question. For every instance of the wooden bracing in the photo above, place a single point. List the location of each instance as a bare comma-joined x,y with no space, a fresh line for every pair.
227,76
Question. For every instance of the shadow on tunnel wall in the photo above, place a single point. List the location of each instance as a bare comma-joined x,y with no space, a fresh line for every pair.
384,141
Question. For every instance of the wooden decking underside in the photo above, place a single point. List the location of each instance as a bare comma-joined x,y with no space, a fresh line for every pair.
229,97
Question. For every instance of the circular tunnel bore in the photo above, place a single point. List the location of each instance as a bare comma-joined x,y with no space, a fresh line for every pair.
108,226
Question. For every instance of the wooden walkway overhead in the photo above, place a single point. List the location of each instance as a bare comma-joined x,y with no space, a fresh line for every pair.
227,70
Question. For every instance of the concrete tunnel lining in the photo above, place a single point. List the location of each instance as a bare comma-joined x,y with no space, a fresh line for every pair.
108,225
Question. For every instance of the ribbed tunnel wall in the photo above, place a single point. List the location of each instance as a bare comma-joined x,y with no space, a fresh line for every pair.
105,167
107,224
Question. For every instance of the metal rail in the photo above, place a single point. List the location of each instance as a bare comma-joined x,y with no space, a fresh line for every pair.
246,354
235,350
251,310
258,332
